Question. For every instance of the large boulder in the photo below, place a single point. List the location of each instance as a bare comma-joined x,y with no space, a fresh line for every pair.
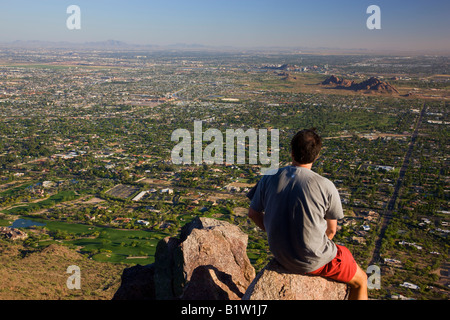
208,261
220,247
137,284
273,282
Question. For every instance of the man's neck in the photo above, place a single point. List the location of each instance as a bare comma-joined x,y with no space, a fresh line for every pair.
307,165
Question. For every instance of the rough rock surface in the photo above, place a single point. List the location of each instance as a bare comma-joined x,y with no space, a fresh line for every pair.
221,246
275,283
208,261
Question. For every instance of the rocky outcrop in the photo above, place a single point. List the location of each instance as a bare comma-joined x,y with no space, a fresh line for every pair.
372,84
208,261
333,80
275,283
137,284
12,233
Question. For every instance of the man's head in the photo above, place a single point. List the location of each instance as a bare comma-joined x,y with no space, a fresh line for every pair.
305,146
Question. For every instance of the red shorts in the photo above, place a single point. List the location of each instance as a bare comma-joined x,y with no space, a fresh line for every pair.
342,268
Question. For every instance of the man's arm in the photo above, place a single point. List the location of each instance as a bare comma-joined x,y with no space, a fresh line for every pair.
331,228
257,218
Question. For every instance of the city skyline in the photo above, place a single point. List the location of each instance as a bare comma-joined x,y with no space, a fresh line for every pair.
409,26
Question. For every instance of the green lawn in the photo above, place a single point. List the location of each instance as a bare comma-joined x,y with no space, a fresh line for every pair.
13,190
106,244
47,203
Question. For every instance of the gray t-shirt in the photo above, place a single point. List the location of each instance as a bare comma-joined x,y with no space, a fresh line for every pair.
296,201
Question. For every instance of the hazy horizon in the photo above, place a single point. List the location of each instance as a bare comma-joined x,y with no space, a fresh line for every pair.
410,26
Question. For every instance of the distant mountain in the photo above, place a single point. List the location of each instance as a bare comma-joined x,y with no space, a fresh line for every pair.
107,43
341,83
186,45
375,84
372,84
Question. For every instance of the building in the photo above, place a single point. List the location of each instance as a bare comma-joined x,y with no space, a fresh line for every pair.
140,195
409,285
167,190
404,243
392,262
143,222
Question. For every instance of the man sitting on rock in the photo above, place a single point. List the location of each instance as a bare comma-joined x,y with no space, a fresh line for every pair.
299,210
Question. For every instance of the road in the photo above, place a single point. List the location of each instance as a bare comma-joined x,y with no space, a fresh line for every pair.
387,215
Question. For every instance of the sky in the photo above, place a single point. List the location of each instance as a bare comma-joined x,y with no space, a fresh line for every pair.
405,25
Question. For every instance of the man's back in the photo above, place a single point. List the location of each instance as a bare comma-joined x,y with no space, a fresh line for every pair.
296,202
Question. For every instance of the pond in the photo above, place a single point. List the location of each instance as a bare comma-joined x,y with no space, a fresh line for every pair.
26,223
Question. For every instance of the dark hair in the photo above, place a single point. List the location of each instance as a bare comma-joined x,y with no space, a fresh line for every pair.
306,145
